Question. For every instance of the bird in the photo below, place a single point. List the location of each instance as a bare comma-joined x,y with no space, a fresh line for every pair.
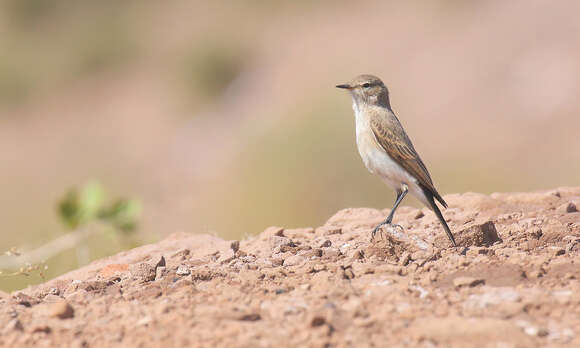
387,150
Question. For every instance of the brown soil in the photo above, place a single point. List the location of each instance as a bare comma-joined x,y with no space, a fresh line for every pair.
513,282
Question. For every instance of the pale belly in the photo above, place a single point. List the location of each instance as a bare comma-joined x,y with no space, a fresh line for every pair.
378,162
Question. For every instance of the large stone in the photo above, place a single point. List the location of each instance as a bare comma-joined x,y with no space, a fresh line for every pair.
478,234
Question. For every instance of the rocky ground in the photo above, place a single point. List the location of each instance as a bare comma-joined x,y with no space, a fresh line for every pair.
514,281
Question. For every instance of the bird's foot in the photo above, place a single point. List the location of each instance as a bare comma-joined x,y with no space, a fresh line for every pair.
379,229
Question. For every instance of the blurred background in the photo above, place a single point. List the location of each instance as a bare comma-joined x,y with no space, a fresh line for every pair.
222,117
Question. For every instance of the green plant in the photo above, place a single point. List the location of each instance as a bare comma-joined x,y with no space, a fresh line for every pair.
80,207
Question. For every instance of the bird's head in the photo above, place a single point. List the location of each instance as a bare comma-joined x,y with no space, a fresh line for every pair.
368,89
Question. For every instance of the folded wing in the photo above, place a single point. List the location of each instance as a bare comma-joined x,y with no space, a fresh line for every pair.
393,139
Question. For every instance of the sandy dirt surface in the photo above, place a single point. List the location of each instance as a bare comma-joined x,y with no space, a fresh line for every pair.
513,282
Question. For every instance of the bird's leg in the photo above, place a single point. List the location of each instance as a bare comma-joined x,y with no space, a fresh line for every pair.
400,195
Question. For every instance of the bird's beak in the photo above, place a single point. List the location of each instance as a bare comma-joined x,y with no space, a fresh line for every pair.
345,86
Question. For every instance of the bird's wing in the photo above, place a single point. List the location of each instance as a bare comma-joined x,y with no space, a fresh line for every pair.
393,139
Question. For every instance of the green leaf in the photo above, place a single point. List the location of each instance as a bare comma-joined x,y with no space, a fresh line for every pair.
91,201
122,214
69,210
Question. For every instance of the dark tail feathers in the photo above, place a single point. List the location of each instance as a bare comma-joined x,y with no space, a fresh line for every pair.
430,197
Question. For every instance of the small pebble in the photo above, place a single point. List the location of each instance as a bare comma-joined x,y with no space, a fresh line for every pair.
160,272
294,260
235,246
143,271
182,270
61,310
569,207
405,258
279,242
14,324
467,282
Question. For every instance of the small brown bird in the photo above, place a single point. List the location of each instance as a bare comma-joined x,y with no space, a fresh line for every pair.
387,151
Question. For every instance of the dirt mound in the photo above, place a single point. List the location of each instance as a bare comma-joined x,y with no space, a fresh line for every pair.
514,281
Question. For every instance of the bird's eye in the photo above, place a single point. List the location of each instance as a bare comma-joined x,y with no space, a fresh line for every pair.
366,85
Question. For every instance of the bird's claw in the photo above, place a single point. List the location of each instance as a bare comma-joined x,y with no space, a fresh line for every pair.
378,228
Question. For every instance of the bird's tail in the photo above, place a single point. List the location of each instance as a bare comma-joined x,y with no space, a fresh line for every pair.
430,198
